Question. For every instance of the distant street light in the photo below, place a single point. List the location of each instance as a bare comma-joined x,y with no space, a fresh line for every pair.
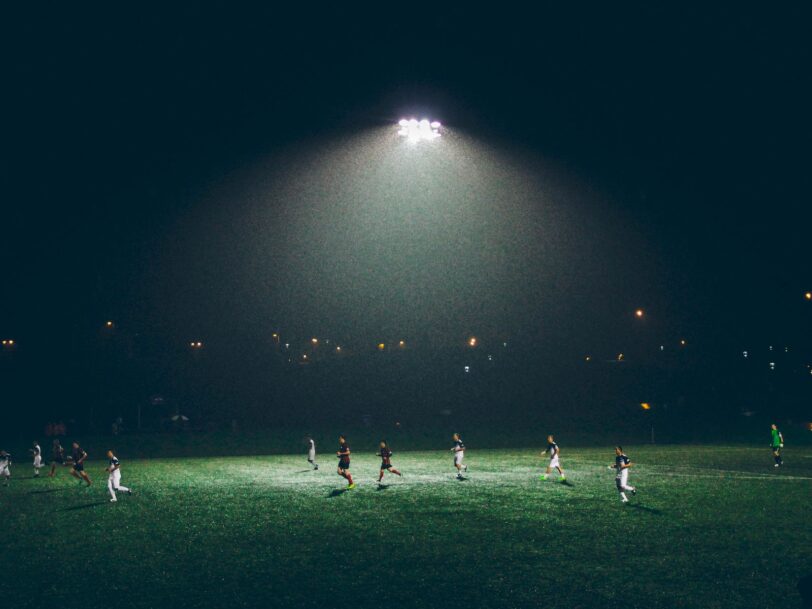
196,345
683,342
638,313
808,295
473,342
315,341
416,130
381,346
402,344
7,342
109,324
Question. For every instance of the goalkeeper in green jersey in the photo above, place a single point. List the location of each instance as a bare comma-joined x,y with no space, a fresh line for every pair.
776,444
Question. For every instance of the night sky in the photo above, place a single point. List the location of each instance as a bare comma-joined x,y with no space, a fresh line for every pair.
227,171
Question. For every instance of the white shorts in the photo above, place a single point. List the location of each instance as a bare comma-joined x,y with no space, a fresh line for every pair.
311,456
115,477
622,479
458,456
38,461
554,462
5,471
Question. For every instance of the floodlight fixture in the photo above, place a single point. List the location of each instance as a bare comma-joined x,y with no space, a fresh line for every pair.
418,130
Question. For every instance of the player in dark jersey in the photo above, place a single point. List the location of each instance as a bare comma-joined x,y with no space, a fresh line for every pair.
459,454
78,471
114,477
386,460
554,451
621,466
343,455
57,457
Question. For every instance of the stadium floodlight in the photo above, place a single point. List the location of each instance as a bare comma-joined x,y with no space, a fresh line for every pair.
416,130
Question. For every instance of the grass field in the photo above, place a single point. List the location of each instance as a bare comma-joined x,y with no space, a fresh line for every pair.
711,527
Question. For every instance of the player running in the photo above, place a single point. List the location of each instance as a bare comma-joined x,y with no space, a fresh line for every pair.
311,452
554,451
114,477
78,471
776,444
36,452
5,466
459,454
386,460
57,457
622,465
343,455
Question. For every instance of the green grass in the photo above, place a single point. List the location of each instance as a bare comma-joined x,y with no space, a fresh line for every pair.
711,527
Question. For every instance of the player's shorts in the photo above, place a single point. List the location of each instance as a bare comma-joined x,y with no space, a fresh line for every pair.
311,457
458,456
115,476
343,465
37,461
5,471
386,465
78,467
554,462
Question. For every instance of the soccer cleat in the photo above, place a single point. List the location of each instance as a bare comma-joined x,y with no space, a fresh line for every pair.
113,500
624,501
351,486
634,491
562,478
315,467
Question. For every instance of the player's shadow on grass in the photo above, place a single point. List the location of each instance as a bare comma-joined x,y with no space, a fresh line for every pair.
462,479
48,490
643,508
336,492
82,506
382,487
304,471
567,483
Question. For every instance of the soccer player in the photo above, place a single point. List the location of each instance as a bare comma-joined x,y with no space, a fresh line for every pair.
311,453
459,454
386,460
343,455
554,451
776,444
622,465
57,457
36,452
78,471
5,466
114,477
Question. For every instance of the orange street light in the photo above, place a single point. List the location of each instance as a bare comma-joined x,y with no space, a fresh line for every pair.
381,346
645,406
472,342
638,313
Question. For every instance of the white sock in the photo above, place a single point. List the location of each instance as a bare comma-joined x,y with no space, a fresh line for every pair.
623,496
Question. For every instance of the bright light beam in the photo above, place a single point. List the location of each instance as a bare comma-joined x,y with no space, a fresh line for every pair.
417,130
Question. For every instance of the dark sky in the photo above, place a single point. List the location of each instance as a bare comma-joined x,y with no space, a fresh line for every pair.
645,156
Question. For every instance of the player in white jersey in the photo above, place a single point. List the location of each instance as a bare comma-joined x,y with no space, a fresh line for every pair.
5,466
459,454
36,452
311,452
622,465
114,477
554,451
